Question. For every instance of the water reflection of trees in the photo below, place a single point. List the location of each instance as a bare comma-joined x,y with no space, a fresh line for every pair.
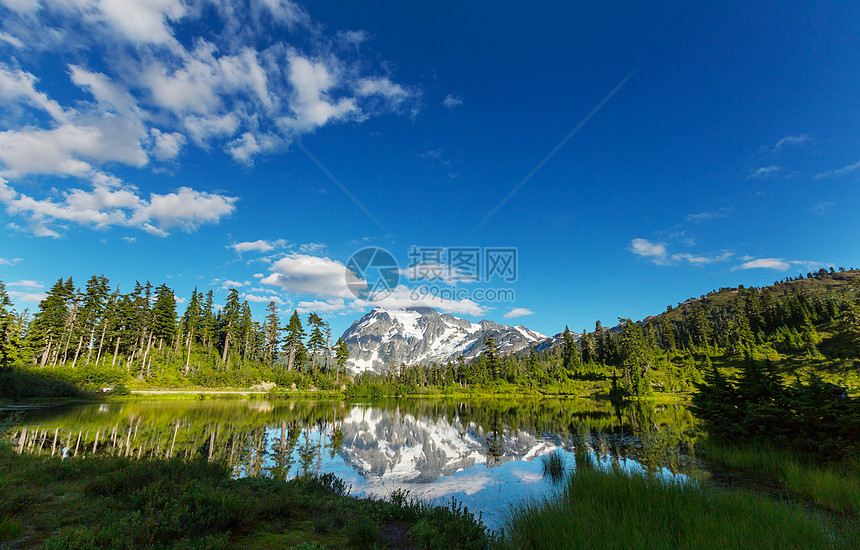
283,439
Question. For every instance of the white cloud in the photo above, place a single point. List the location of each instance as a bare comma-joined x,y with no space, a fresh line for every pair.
319,306
452,101
155,94
312,275
259,245
659,254
263,299
840,172
766,263
29,297
9,39
706,216
129,239
13,261
109,203
287,12
258,275
312,248
779,264
233,284
518,312
166,145
765,171
138,21
26,283
702,260
790,140
403,297
656,252
312,106
20,86
21,6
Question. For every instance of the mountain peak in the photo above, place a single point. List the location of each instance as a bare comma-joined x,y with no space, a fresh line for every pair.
422,335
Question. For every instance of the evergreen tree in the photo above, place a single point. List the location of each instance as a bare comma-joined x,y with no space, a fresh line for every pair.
164,315
272,330
491,356
230,323
568,351
599,347
633,357
316,340
341,356
294,341
7,338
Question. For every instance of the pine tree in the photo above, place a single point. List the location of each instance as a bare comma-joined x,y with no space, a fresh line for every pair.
229,325
568,350
491,356
316,340
633,357
341,356
272,330
599,347
164,315
294,341
7,339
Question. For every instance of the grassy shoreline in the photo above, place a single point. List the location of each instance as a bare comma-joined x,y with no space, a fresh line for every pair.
112,502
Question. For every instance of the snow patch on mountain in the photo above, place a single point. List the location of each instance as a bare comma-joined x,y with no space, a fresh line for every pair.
422,336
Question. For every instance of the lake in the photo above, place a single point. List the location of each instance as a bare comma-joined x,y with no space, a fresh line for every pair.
485,453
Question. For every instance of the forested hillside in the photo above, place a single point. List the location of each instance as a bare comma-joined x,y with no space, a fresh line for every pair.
98,337
802,325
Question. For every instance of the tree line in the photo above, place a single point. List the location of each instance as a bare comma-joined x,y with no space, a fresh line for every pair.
141,333
673,350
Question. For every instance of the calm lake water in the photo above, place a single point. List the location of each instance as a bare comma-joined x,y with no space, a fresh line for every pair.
485,453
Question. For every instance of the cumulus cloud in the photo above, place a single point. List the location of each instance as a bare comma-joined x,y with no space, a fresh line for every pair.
518,312
259,245
26,283
154,93
109,204
312,248
263,299
779,264
452,101
319,306
311,275
658,254
29,297
403,297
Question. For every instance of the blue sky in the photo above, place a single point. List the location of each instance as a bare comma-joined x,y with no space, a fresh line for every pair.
150,140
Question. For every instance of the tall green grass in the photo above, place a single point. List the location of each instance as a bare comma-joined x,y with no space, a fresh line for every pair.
599,509
835,487
553,467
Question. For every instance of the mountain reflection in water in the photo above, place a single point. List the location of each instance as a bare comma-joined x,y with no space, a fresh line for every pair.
480,452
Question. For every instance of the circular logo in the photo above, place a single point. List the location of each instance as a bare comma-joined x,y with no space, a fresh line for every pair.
372,273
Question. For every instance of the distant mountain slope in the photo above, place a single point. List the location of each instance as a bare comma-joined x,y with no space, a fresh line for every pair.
422,336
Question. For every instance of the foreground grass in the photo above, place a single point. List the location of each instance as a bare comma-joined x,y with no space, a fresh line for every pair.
614,509
835,486
105,502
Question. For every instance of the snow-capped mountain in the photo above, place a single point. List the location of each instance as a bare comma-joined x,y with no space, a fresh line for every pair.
422,336
397,448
